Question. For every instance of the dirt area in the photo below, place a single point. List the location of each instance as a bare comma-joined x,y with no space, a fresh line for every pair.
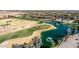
12,13
15,25
71,42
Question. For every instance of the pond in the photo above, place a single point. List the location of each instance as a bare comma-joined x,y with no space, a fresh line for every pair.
55,34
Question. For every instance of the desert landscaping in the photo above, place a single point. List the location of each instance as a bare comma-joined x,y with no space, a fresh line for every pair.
12,25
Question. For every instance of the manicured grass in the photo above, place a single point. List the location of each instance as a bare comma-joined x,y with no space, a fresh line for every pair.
32,19
22,33
23,18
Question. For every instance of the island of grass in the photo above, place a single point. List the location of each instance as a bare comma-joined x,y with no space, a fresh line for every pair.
22,33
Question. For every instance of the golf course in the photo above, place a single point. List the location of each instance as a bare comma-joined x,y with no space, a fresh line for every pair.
19,31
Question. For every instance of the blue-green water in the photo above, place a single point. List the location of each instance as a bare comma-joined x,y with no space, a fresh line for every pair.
56,34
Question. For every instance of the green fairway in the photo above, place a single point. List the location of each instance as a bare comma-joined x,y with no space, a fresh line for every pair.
22,33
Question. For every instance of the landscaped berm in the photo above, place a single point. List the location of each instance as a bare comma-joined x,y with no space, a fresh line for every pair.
18,31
